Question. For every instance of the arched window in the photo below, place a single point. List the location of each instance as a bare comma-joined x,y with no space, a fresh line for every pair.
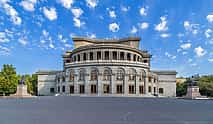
63,79
142,75
94,75
120,74
132,74
134,57
81,75
72,76
107,75
129,56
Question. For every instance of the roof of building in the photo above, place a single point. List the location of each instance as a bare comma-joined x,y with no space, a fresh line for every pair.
167,72
45,72
106,40
83,41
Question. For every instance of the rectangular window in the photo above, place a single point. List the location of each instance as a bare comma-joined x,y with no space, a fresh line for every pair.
119,89
63,88
150,79
161,90
114,54
81,88
71,89
52,90
131,89
154,90
91,55
106,55
141,89
78,57
121,55
98,55
134,58
93,88
150,89
58,89
128,56
106,88
84,56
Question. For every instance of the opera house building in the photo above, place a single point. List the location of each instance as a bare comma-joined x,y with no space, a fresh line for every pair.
107,67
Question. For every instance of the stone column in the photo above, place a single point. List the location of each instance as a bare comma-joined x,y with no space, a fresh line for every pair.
126,84
94,55
86,83
146,84
99,84
110,55
113,87
137,85
125,56
118,55
76,86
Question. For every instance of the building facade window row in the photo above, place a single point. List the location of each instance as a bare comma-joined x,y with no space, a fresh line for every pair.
106,75
106,89
107,55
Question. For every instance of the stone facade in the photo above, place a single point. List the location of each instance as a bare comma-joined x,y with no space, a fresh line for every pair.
107,67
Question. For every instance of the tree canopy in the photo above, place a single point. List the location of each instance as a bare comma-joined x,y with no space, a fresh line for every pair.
205,84
9,81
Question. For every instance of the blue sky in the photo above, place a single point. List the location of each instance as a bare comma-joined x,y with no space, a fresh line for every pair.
178,33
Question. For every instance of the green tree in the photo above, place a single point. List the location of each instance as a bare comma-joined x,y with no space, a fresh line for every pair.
205,84
34,83
181,89
8,80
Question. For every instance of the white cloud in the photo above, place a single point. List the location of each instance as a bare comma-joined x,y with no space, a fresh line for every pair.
28,5
209,18
77,12
193,64
14,16
134,30
91,35
51,46
144,25
170,56
180,35
210,59
92,3
78,23
22,41
68,45
143,11
66,3
45,33
207,33
112,14
114,27
61,38
189,60
186,46
186,24
165,35
3,38
162,26
4,50
199,51
125,9
193,28
50,13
